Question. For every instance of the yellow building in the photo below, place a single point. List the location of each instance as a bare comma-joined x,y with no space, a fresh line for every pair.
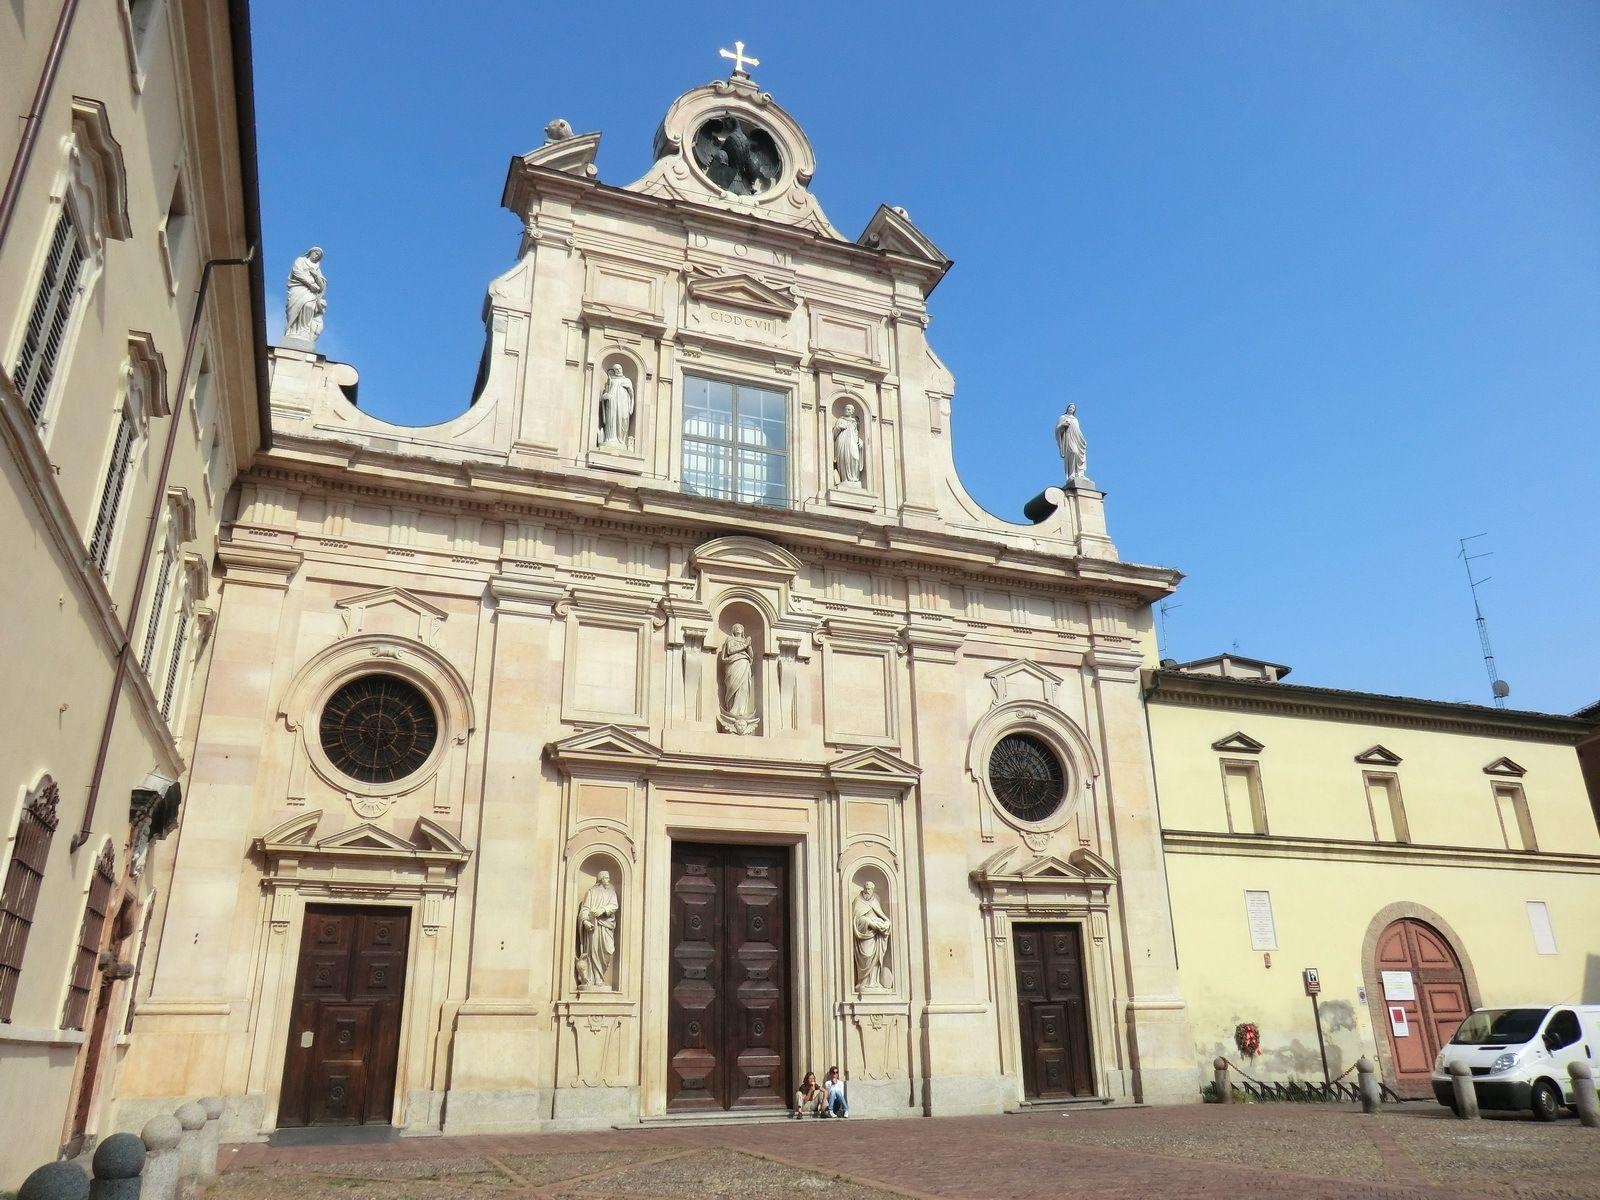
1425,858
129,367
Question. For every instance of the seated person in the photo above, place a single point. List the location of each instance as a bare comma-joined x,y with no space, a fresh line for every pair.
811,1098
834,1086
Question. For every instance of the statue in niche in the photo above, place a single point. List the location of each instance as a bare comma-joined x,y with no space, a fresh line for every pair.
305,300
736,668
871,927
848,449
597,935
1074,448
616,410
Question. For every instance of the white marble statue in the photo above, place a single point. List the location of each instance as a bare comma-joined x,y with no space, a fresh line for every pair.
848,449
871,927
736,666
616,409
305,300
1070,441
597,935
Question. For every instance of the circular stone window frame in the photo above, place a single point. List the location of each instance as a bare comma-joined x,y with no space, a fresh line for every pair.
727,98
1080,766
377,654
779,185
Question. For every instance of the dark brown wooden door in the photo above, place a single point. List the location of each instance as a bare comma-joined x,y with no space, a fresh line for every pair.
1053,1012
344,1032
727,1012
1439,1005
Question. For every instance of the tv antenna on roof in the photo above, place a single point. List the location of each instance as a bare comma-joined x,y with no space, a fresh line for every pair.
1166,607
1498,687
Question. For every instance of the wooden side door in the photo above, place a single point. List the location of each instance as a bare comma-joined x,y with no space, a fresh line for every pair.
695,1066
1052,1011
344,1031
1432,1014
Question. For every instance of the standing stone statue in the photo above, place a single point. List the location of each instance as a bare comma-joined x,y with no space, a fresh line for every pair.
305,300
616,409
848,449
736,664
1074,449
597,935
871,926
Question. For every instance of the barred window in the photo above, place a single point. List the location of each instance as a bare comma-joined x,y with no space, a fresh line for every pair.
735,442
21,892
111,490
53,305
94,924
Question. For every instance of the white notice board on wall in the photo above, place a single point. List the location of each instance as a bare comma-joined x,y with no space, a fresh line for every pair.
1398,985
1258,913
1544,934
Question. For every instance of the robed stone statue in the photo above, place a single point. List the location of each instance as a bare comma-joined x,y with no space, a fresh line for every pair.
305,300
616,409
736,666
597,935
1074,449
871,926
848,450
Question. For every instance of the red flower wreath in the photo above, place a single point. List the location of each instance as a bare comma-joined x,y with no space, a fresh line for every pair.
1248,1038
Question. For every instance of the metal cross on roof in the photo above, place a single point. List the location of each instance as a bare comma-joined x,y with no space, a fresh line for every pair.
740,59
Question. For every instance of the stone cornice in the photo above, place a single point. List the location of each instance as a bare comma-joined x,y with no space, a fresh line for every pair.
1209,691
1194,841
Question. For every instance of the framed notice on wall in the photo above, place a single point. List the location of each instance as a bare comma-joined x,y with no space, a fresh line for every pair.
1398,985
1258,915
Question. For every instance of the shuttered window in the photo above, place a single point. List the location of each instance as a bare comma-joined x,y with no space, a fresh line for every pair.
105,523
20,895
51,313
158,608
94,925
173,664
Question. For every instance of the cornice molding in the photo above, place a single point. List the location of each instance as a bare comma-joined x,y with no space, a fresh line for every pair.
1193,841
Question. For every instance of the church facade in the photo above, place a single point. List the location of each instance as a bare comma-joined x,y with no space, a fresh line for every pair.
670,722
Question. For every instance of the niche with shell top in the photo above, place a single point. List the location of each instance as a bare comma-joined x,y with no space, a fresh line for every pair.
873,946
740,663
597,923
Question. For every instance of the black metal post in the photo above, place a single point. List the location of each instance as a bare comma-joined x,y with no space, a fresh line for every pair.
1322,1046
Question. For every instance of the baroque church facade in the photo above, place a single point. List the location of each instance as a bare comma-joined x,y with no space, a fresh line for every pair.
670,722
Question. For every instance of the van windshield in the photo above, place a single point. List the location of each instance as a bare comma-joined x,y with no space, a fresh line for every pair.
1499,1027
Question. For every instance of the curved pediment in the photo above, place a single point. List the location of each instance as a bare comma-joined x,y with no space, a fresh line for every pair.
745,554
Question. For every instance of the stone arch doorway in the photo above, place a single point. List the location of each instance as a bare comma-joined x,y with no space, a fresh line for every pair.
1422,994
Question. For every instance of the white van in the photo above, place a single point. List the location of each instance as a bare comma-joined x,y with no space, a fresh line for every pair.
1519,1055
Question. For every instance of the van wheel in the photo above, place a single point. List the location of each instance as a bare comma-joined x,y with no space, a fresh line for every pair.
1546,1100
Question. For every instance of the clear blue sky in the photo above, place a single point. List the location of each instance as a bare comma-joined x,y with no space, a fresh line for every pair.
1323,279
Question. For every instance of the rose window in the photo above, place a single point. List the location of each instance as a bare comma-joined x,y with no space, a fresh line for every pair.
1027,777
378,729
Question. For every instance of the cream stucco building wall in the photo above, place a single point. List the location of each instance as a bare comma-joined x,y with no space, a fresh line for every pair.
124,409
1339,868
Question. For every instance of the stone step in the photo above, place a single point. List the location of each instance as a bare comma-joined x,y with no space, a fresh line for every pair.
333,1135
757,1116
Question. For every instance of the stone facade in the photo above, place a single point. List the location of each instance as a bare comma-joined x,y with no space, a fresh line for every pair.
558,572
124,406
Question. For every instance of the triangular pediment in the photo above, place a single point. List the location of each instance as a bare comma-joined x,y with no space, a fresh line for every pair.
1378,756
1505,766
741,290
365,836
1048,866
1081,867
1238,743
296,831
1020,679
605,741
892,230
572,153
875,762
430,835
398,597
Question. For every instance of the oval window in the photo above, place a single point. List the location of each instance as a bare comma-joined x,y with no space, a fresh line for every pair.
378,728
1027,777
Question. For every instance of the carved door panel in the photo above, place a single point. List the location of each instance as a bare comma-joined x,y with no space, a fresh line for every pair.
344,1030
1440,1002
727,1023
1052,1011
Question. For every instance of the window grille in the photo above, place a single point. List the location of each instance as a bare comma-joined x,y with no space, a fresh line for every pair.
158,607
378,729
48,319
1027,777
111,492
735,442
94,924
171,688
21,892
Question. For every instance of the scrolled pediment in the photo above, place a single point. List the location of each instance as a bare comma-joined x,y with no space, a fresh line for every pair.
1004,871
296,839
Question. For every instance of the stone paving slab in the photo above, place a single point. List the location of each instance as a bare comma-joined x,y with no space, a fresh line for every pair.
1310,1152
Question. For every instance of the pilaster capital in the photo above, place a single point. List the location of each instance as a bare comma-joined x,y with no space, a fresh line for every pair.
1114,664
526,597
933,643
258,565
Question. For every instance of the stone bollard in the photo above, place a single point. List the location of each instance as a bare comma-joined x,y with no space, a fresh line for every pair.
1219,1080
211,1141
191,1149
118,1163
163,1161
1466,1106
1367,1076
55,1181
1584,1097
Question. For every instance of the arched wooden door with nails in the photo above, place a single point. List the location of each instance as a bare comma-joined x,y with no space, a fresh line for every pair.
1424,999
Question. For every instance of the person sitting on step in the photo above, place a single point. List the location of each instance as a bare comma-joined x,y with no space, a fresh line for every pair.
811,1098
836,1105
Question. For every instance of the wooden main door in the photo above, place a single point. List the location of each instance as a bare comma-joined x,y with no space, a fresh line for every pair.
344,1030
728,1004
1439,1005
1053,1012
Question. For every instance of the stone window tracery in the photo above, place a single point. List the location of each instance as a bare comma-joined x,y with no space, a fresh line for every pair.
1027,777
378,728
